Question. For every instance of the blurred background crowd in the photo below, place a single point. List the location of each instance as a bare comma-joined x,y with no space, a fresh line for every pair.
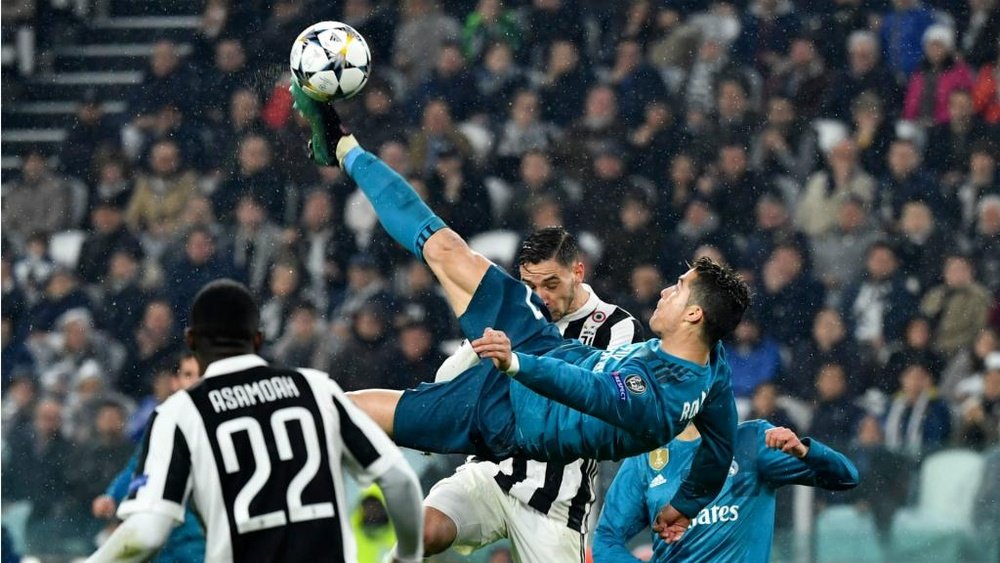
842,155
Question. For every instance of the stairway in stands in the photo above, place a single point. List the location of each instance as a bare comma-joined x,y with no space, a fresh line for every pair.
110,57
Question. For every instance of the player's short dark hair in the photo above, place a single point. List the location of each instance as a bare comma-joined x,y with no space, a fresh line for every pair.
722,295
550,243
224,310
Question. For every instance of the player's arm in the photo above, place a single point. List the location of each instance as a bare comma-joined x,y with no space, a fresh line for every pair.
370,455
155,496
784,459
623,514
716,421
602,395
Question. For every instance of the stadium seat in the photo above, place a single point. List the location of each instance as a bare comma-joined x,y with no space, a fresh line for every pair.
845,534
64,247
940,527
500,246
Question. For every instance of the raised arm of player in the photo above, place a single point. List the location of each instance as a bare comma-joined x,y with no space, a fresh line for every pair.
370,455
623,515
784,459
602,395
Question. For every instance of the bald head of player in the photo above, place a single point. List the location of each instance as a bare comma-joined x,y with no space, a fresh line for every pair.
224,322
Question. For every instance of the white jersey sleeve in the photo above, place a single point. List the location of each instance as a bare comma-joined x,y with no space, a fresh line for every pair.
463,358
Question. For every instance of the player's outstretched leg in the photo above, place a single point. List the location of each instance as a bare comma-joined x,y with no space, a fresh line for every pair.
400,210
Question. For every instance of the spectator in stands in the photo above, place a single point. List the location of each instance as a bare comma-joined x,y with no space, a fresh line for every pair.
62,293
92,133
284,290
736,189
170,123
734,121
415,357
33,270
789,296
201,263
122,299
537,178
284,22
978,44
872,132
829,344
915,349
959,306
38,474
160,196
549,21
365,284
880,489
826,190
699,225
229,74
657,138
598,126
381,118
676,189
256,242
244,119
564,85
437,133
635,239
61,357
754,356
878,304
985,96
20,398
610,183
423,23
835,420
113,179
962,377
521,132
421,302
940,73
986,243
323,247
921,242
766,31
802,77
838,255
363,358
710,66
865,72
918,422
764,406
785,148
166,82
980,182
305,340
108,234
644,292
635,82
38,201
450,81
906,180
902,32
497,79
155,343
490,23
458,195
979,416
949,145
256,175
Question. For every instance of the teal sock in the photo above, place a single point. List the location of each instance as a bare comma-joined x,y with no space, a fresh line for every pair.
404,215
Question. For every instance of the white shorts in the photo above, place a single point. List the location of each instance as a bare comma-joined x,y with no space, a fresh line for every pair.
483,514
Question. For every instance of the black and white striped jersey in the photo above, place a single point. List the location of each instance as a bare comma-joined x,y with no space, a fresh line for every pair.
566,492
260,451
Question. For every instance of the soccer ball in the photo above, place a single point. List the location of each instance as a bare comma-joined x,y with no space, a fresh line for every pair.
330,61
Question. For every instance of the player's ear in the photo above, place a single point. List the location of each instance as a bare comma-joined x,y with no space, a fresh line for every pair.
258,341
578,271
694,314
189,339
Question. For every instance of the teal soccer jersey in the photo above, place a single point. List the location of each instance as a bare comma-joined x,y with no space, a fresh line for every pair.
739,524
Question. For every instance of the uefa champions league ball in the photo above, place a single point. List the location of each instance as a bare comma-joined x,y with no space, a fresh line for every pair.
330,61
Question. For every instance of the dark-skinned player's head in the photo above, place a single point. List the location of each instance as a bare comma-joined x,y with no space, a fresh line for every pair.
224,321
710,298
549,263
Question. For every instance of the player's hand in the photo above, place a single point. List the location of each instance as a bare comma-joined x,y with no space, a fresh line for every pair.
784,439
496,346
103,507
670,524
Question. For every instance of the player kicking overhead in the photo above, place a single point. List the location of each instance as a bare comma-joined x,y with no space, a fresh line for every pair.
261,452
542,507
561,401
739,524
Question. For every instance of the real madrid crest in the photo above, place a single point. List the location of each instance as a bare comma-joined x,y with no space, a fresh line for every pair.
658,458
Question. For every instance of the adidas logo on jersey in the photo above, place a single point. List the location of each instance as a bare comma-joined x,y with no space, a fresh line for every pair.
657,481
716,514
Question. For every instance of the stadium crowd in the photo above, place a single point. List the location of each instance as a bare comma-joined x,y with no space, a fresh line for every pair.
843,155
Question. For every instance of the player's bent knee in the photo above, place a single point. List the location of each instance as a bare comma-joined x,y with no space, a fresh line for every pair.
439,531
444,245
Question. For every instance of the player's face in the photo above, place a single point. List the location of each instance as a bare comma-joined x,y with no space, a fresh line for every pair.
187,374
555,284
673,304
